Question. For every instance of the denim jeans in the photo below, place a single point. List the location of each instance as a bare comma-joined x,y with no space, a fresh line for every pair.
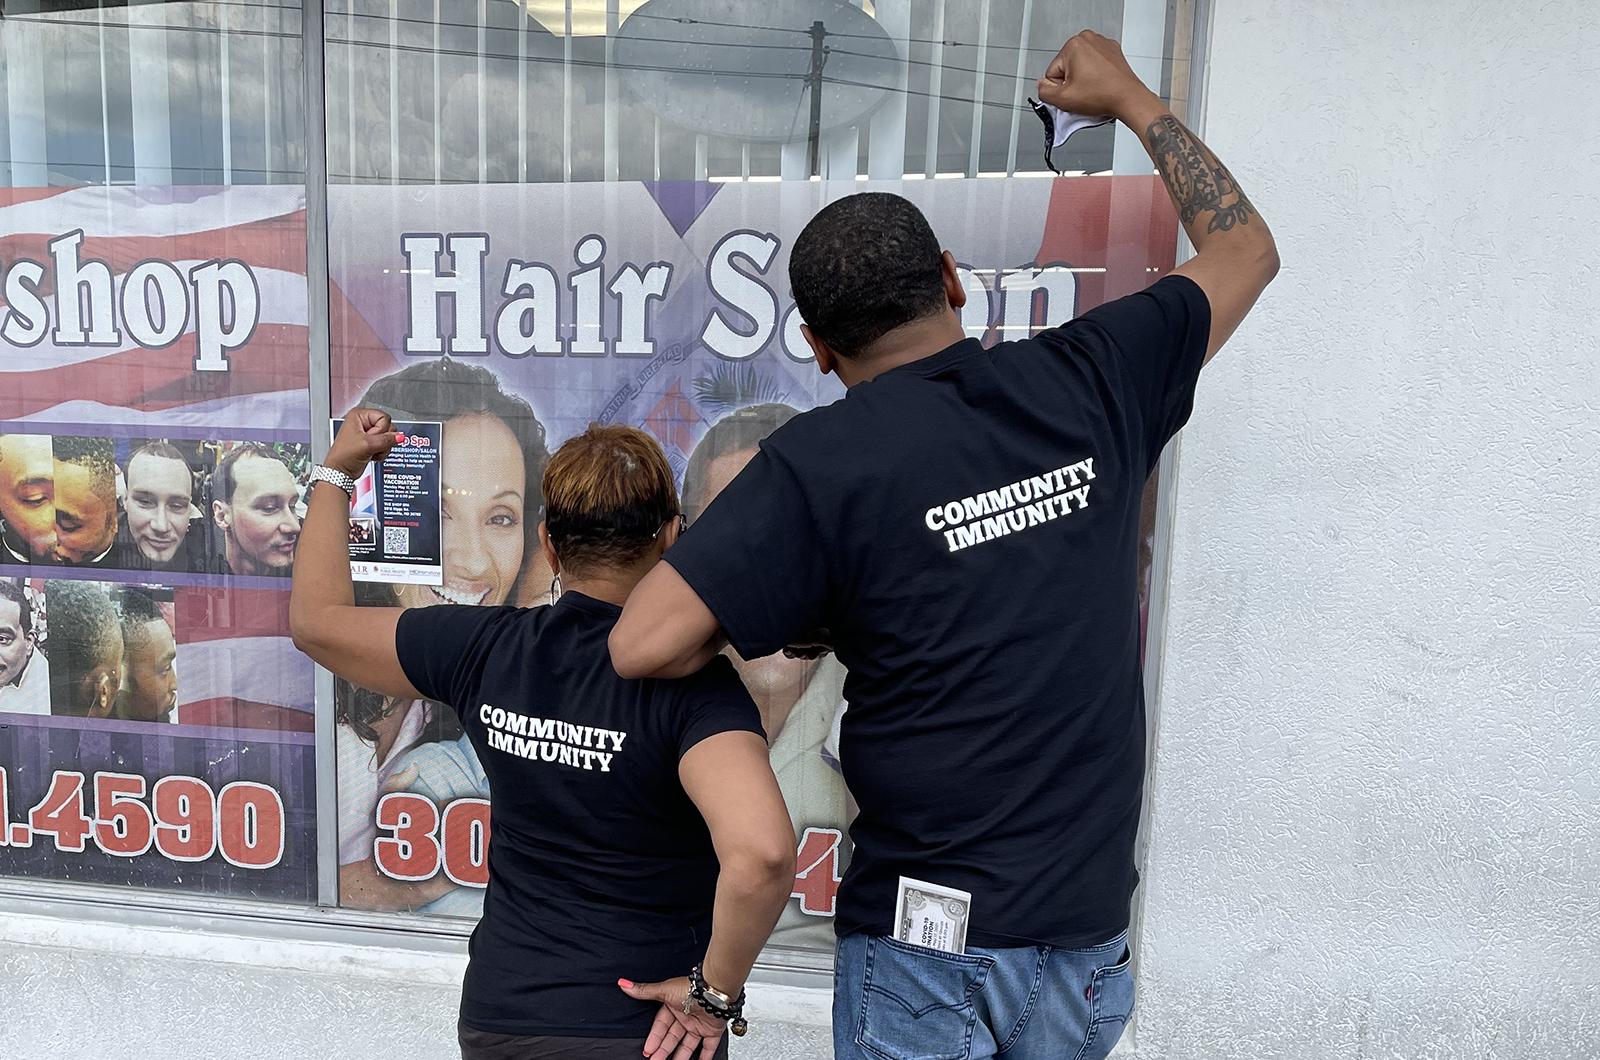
895,1001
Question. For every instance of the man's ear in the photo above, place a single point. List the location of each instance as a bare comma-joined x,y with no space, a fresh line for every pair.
222,515
954,290
548,549
105,696
827,359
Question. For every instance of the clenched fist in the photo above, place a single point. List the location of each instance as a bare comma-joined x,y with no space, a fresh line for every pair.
1090,76
366,435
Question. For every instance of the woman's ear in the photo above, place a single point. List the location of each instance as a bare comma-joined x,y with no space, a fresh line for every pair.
669,533
548,549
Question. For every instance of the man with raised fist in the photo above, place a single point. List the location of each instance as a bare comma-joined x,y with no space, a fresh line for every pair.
965,525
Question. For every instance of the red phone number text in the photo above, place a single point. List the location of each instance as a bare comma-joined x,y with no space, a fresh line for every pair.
183,819
420,841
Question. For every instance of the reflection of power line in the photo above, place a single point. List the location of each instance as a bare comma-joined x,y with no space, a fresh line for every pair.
422,49
100,164
926,95
946,67
685,20
594,64
445,24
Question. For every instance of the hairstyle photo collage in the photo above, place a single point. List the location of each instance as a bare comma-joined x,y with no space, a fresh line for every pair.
152,505
160,519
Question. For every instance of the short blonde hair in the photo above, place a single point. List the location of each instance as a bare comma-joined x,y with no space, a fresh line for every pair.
607,493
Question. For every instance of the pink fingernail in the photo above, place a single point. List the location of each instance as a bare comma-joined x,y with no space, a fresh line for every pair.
400,437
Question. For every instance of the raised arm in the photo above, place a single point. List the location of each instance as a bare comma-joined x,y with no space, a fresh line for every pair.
357,643
1235,256
666,630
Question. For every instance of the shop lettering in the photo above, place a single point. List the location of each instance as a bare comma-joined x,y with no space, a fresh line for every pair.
593,312
152,307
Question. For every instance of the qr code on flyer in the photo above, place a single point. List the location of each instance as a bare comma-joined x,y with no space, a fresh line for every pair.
397,540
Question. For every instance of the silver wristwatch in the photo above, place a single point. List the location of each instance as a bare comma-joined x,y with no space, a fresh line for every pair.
324,473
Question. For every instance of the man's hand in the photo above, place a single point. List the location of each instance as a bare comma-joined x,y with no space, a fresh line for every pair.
366,435
676,1034
1090,76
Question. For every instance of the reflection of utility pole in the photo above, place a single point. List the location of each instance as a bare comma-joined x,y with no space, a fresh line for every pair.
814,85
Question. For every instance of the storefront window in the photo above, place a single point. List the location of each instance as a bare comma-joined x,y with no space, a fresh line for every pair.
582,212
538,215
156,723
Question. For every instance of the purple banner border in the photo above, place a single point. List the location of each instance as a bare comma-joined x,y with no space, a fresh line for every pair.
146,728
120,430
142,577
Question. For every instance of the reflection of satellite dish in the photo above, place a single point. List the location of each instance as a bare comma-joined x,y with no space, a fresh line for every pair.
737,68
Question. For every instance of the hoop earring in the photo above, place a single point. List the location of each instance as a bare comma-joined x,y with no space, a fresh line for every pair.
555,589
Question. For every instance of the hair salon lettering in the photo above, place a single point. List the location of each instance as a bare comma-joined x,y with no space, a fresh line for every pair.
153,305
594,312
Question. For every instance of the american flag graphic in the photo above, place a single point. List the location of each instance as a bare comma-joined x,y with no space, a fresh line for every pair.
237,666
262,226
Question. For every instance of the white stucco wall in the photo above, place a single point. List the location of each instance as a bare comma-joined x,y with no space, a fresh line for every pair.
1376,806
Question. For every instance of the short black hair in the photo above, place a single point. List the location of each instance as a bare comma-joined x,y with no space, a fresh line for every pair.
82,624
11,589
865,265
226,480
137,607
737,432
98,456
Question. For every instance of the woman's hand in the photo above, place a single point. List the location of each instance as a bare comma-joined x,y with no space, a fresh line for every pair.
366,435
676,1035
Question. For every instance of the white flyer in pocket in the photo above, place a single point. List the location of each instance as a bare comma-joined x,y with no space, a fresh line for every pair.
926,914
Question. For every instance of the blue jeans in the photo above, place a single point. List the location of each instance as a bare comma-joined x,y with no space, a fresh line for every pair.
895,1001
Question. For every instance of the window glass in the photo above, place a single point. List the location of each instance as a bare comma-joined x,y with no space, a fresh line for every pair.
156,723
589,205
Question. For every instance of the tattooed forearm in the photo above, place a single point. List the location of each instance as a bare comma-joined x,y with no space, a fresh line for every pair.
1198,182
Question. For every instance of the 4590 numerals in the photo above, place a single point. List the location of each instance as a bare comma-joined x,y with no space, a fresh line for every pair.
180,818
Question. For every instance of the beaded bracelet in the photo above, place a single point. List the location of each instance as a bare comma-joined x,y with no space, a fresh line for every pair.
731,1014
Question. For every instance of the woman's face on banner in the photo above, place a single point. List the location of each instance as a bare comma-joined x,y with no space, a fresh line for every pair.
484,477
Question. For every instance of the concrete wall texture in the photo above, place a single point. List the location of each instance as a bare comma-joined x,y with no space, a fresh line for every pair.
1376,806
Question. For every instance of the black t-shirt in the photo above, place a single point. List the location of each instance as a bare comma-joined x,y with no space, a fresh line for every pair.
967,527
600,867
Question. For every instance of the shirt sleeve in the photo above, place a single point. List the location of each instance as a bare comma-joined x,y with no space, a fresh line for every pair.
756,559
715,701
442,649
1157,339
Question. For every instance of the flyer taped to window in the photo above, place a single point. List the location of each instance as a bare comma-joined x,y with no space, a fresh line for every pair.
395,511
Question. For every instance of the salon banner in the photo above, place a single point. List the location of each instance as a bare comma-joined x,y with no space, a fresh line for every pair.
517,315
156,723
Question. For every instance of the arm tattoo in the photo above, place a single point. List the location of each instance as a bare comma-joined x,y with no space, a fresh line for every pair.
1197,180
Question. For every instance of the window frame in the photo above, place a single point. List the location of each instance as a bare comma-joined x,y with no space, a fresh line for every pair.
328,922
